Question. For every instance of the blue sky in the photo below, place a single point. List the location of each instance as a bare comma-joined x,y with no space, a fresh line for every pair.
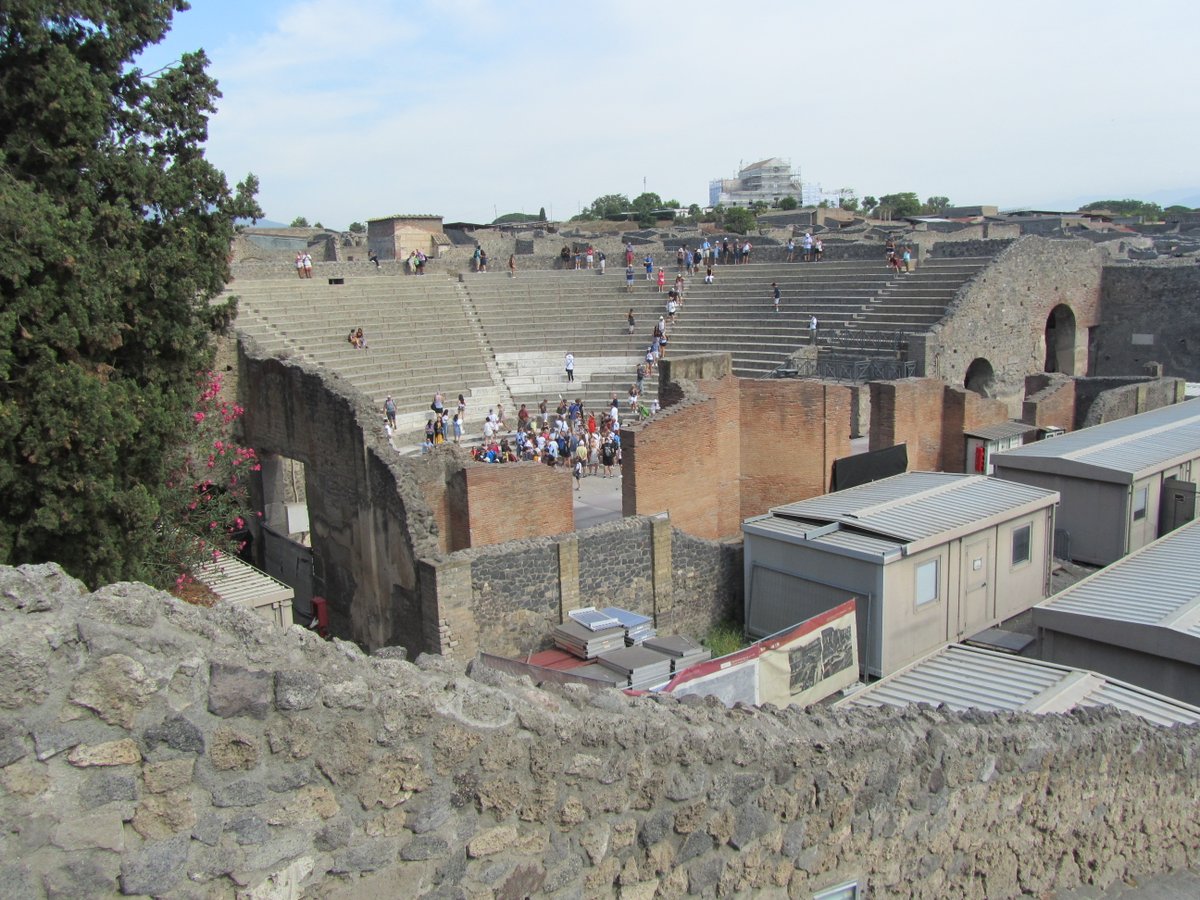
473,108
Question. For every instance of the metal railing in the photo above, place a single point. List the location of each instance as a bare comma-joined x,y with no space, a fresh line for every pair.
876,369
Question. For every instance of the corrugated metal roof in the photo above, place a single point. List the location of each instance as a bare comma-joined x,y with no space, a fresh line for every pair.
961,677
1000,431
1131,446
918,505
1155,585
241,584
820,533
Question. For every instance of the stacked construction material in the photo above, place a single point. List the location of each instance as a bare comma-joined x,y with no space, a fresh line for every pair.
637,627
599,672
682,651
581,641
593,619
644,668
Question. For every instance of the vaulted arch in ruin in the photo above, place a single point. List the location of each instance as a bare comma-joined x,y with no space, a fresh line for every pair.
1061,340
981,378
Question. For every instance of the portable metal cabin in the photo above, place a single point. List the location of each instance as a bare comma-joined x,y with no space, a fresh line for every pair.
1123,483
984,443
1137,620
961,678
929,556
241,584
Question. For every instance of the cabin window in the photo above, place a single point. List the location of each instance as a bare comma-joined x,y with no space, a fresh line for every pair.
1139,503
927,582
1020,544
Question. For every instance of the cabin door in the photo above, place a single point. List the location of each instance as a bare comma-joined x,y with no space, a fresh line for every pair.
975,612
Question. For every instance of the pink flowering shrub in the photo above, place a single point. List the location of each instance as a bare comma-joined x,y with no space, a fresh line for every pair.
209,486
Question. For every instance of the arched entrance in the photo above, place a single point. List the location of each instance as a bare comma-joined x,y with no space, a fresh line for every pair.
981,378
1060,340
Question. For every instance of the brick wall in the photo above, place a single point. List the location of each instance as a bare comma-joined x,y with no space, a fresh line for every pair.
931,418
512,501
726,448
909,411
791,432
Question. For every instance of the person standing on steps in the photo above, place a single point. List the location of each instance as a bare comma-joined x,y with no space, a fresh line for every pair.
775,295
629,315
569,365
629,279
389,409
812,330
512,265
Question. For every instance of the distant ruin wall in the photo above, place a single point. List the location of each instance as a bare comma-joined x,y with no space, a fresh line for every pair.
1001,316
152,748
1150,314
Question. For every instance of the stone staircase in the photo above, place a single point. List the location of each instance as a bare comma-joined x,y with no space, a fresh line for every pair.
418,332
909,304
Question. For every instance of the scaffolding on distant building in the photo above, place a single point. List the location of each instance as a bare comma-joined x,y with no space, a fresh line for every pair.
766,181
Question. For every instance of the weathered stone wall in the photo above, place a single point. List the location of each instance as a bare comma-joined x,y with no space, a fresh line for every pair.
369,521
1001,315
1049,401
152,748
1100,400
1150,313
948,246
511,596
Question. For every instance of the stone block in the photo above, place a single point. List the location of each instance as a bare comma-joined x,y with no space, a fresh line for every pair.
156,868
230,750
115,688
177,733
161,815
296,690
99,830
492,841
160,777
111,753
238,691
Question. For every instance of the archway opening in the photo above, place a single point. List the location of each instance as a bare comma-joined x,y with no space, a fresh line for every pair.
981,378
1060,340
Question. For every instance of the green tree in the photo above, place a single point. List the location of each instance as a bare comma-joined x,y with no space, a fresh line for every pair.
900,205
870,204
850,203
936,205
788,203
646,203
518,218
114,238
609,206
694,211
357,227
299,222
542,214
1175,209
738,219
1150,211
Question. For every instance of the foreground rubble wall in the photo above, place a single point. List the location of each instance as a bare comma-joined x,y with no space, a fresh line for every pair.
150,747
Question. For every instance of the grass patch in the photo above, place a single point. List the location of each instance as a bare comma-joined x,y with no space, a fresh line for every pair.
724,638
